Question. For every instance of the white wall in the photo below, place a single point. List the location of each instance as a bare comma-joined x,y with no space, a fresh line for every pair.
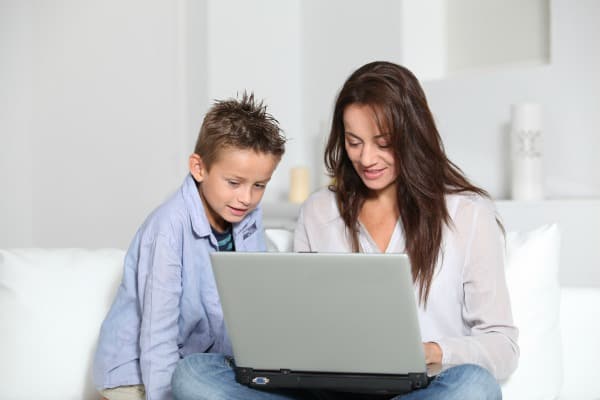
16,65
489,33
254,46
424,47
101,101
473,110
338,37
93,126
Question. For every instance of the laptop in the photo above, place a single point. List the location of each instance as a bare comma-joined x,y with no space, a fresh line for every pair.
340,322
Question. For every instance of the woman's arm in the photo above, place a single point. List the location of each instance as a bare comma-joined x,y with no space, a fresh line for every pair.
486,309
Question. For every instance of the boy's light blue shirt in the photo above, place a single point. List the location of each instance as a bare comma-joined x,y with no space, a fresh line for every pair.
167,305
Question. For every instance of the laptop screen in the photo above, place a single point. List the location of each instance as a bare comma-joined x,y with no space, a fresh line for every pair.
347,313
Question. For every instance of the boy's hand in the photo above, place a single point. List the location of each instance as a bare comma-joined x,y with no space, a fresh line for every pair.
433,353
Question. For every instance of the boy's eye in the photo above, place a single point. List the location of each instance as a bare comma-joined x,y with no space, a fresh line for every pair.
232,183
260,185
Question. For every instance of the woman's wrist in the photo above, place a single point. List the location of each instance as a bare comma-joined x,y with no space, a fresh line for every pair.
433,353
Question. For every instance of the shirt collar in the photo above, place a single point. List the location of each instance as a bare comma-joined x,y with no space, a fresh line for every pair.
193,203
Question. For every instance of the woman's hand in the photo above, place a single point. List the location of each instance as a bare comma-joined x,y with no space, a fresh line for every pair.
433,353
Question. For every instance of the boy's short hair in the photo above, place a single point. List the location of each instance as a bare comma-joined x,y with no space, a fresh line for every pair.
239,124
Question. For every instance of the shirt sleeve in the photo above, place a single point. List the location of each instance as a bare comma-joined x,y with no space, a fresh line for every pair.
160,296
492,342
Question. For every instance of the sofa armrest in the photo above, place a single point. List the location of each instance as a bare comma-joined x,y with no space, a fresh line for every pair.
52,303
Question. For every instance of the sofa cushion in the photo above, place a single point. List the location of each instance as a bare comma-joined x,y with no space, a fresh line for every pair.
532,278
279,240
52,302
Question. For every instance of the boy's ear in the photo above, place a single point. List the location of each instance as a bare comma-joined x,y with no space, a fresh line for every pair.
197,167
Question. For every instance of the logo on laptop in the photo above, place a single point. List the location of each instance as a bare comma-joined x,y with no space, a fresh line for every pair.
260,380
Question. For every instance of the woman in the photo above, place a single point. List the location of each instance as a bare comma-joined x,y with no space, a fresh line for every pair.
394,190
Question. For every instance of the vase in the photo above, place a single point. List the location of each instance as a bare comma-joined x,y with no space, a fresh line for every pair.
526,151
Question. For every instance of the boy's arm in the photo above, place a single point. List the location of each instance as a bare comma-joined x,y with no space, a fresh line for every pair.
160,314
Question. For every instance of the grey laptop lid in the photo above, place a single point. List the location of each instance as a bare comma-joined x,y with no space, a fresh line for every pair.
347,313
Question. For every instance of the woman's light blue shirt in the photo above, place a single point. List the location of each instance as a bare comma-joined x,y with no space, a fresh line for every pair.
167,305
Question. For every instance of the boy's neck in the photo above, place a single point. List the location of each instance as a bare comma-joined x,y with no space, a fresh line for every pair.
215,221
219,229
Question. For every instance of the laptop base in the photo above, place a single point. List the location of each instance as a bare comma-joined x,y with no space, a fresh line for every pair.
341,382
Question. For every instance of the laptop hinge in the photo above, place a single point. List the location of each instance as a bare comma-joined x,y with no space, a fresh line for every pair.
419,380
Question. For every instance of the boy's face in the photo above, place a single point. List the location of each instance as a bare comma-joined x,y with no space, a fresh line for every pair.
234,185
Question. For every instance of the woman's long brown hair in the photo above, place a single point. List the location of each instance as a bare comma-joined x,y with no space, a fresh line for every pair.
425,174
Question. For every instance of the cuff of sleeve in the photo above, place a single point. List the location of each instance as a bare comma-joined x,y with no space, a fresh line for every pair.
464,350
447,347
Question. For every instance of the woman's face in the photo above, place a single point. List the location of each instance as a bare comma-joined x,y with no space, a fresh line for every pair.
368,148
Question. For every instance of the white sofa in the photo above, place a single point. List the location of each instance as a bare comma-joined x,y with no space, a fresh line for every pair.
52,302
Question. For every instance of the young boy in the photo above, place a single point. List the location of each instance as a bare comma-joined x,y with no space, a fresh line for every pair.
167,305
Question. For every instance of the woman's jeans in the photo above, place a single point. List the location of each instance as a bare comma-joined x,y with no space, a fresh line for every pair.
211,377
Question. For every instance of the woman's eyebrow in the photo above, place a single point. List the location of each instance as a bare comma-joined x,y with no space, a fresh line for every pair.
382,135
351,134
379,136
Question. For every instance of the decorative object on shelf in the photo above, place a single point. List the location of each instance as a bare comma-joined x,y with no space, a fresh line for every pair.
299,184
526,152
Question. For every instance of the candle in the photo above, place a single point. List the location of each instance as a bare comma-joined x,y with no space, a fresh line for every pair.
299,184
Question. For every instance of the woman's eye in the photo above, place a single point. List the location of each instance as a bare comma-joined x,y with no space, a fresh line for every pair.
353,144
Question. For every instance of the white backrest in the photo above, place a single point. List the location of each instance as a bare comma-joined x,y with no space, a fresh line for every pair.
579,224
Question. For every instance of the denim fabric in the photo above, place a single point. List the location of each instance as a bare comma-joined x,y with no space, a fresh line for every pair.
211,377
462,382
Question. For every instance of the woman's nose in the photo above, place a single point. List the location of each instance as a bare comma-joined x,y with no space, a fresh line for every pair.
367,155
